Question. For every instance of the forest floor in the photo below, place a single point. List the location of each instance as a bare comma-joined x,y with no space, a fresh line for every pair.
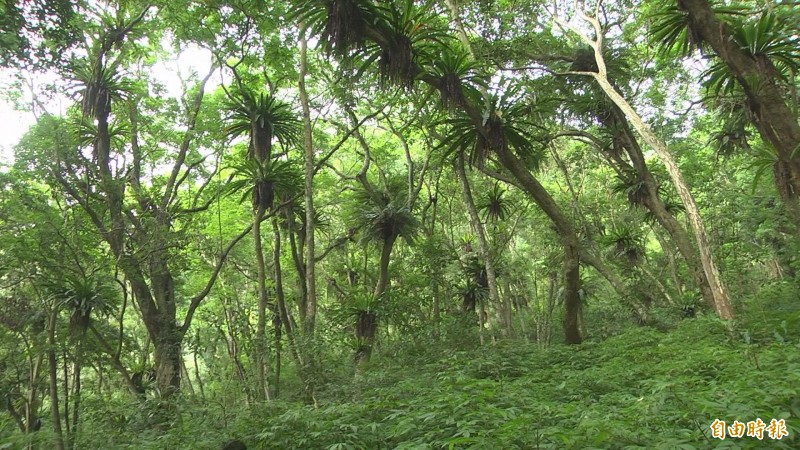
643,389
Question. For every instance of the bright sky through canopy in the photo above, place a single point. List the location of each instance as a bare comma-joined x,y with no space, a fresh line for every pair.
14,124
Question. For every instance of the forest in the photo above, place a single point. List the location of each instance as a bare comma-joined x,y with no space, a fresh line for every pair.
400,224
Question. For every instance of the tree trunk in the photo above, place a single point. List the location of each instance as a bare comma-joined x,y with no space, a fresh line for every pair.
76,398
383,276
721,299
308,196
149,277
617,284
483,245
168,337
682,240
572,300
197,369
280,314
719,292
436,310
569,240
774,119
659,285
261,323
434,280
618,122
367,321
366,328
231,342
297,250
168,361
673,266
65,366
283,310
53,371
310,302
546,306
185,376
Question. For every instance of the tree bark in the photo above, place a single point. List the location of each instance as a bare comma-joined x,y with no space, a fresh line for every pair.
308,196
298,255
774,119
197,369
283,309
262,392
366,323
651,200
31,400
149,275
567,234
67,429
383,276
281,315
76,398
483,245
310,301
721,299
53,371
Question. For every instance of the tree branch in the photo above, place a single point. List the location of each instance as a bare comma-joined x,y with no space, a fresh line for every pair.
194,303
336,244
171,189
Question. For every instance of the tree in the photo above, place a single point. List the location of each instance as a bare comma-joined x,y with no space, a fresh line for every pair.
81,295
38,34
477,226
722,303
760,56
140,233
263,118
383,214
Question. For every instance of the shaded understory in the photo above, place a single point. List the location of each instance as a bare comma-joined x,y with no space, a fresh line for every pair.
645,388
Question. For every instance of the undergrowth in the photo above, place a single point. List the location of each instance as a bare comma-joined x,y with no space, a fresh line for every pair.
642,389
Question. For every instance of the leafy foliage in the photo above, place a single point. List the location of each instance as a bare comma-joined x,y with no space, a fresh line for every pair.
263,117
150,250
84,295
412,33
261,181
494,204
99,85
644,387
37,34
507,126
459,78
339,23
383,214
672,32
772,47
626,243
